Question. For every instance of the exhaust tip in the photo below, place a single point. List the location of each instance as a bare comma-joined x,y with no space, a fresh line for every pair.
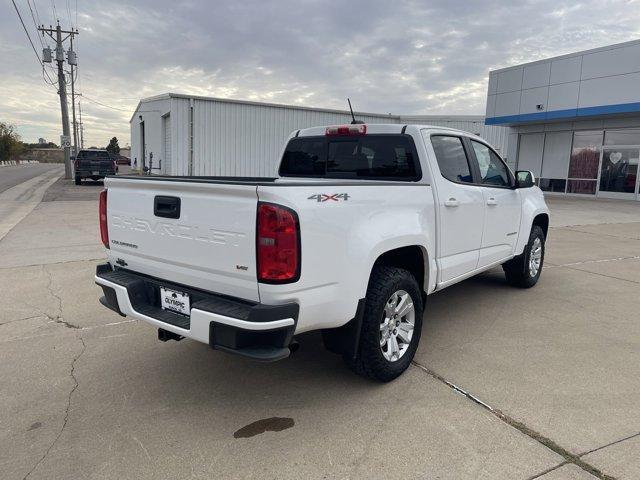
294,346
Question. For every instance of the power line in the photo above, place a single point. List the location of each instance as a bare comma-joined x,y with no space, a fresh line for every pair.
103,104
35,24
53,8
31,41
35,6
69,13
27,32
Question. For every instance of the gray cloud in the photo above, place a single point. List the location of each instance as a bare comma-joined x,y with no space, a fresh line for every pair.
409,57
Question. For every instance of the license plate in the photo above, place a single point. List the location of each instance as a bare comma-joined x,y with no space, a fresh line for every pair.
96,173
175,301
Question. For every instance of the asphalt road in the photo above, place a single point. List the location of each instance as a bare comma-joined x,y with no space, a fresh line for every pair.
16,174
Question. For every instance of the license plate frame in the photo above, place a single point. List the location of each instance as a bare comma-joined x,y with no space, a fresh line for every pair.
95,172
175,301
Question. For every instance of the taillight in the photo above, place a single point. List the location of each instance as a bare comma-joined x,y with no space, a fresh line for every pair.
346,130
104,231
277,244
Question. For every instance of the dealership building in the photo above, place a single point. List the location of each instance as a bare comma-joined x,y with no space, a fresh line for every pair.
573,120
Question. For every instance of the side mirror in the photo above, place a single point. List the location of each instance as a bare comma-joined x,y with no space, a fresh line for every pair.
525,179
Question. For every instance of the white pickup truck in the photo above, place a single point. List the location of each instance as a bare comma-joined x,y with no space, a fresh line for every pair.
361,224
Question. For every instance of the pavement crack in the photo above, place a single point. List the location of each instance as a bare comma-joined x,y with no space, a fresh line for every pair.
21,319
72,374
602,275
602,234
611,444
548,470
538,437
52,263
57,318
587,262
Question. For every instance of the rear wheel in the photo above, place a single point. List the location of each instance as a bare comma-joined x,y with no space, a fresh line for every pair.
391,325
524,270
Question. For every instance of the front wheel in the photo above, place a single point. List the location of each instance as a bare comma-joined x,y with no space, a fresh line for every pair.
391,325
524,270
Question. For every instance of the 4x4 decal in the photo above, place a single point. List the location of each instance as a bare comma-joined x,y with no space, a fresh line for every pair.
325,197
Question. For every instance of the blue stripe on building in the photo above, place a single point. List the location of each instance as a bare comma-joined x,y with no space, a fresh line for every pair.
565,114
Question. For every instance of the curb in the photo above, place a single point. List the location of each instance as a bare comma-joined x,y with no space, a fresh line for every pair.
6,163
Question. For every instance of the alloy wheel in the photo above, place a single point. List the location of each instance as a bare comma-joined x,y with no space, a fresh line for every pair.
396,327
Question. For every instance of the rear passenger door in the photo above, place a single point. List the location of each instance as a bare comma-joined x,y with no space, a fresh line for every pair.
503,205
460,208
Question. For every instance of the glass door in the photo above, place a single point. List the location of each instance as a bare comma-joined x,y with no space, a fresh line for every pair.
619,172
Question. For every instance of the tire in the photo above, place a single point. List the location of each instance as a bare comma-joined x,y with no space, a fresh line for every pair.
371,360
520,271
78,181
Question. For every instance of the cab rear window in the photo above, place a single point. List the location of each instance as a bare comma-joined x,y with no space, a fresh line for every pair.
93,155
378,157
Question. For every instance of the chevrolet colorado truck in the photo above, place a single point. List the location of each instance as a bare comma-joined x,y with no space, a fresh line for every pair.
362,223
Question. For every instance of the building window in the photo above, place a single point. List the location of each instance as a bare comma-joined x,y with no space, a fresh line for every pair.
584,162
581,186
625,136
552,184
619,170
555,161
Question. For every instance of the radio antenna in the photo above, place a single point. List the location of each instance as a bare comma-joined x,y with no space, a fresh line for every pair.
353,117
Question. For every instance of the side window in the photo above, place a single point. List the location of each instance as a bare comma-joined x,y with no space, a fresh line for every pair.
452,159
493,171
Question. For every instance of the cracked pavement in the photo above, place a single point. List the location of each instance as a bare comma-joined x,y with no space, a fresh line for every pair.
507,383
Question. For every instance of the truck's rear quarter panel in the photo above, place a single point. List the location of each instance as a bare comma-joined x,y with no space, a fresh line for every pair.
341,237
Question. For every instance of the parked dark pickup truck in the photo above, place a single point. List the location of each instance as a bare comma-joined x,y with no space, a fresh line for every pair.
94,164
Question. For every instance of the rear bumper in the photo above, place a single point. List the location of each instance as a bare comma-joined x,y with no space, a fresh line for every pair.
261,332
90,173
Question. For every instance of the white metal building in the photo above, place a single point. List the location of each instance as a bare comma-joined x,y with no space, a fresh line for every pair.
574,120
177,134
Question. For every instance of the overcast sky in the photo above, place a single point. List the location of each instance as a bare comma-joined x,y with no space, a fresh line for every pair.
414,57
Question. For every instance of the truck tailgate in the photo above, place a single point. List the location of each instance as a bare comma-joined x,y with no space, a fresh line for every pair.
198,234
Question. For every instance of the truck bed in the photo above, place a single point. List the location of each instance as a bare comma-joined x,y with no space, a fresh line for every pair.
263,181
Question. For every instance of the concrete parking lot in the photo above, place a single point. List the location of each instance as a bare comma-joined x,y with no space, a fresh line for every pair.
507,383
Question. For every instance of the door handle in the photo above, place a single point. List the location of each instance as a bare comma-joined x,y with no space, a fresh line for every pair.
167,207
492,201
452,202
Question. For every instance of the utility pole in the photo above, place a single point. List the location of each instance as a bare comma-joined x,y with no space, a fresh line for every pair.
71,59
73,116
81,127
62,89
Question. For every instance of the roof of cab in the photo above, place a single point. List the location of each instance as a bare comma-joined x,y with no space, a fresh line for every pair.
380,128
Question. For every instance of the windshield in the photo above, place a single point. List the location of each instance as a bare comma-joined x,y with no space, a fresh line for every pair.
382,157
